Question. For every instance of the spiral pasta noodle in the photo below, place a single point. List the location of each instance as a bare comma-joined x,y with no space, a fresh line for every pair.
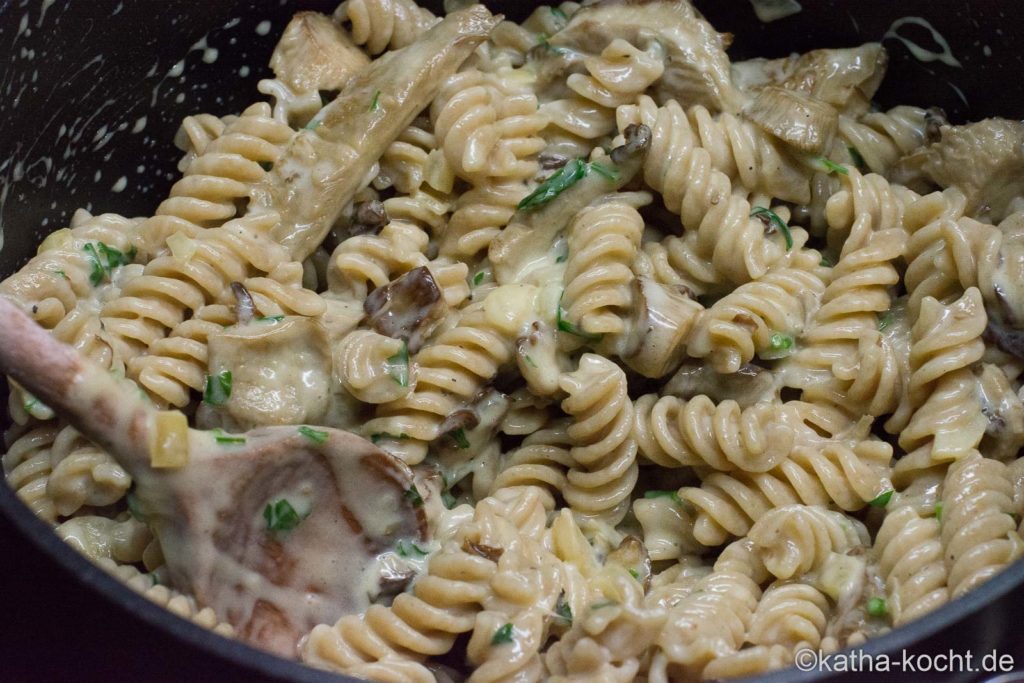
910,560
382,24
792,615
794,540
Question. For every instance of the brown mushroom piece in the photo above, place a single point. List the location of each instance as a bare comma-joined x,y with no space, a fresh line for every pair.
275,529
1004,411
662,318
632,556
531,232
843,78
984,160
696,66
408,308
748,386
803,122
314,53
325,164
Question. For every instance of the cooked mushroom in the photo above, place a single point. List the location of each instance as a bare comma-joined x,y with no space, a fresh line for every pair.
844,78
984,160
804,122
696,66
328,162
368,217
748,386
632,556
662,318
408,308
314,53
1005,413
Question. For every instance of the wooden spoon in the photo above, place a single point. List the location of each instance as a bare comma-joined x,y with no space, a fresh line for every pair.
273,570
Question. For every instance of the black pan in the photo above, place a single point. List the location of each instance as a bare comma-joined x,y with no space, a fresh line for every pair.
85,88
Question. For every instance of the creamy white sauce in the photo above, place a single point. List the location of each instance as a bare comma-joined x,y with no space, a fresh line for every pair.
921,53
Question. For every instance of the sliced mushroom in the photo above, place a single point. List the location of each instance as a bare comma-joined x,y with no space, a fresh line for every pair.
748,386
1005,413
984,160
408,308
368,217
314,53
845,78
662,318
805,123
696,66
280,372
325,165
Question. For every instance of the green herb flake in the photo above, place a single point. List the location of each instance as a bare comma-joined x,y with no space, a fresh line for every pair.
503,635
448,499
562,258
826,262
222,437
479,278
281,516
398,366
856,157
668,493
601,605
938,511
270,319
459,437
61,273
375,102
769,217
563,610
133,506
886,320
832,167
529,360
558,14
877,607
881,500
560,181
566,326
384,436
314,435
218,388
604,171
780,345
635,574
410,550
96,271
412,494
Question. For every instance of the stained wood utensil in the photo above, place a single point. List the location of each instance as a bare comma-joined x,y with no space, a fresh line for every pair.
276,529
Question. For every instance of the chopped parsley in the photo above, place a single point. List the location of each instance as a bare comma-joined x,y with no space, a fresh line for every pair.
61,273
479,278
602,605
559,15
412,550
856,157
604,171
448,499
826,262
218,388
375,102
655,493
885,320
769,218
529,360
877,607
563,610
220,436
281,516
398,366
502,636
412,494
566,326
830,166
314,435
103,259
270,319
780,345
459,437
384,436
881,500
635,574
560,181
133,506
938,511
562,258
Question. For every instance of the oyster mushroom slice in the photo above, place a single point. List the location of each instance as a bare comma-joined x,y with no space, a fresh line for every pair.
804,122
409,308
219,515
328,162
314,53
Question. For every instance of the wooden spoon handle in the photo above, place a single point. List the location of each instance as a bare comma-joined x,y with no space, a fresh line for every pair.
109,411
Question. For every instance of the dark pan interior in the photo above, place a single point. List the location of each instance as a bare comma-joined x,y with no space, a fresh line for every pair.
93,91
